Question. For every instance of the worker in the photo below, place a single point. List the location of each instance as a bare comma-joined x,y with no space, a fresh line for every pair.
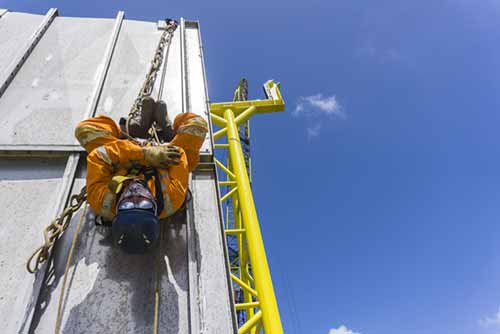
135,184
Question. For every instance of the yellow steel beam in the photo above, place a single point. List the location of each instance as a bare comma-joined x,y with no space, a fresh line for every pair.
251,323
219,121
244,116
235,231
262,107
226,196
227,183
243,306
274,102
221,145
244,285
220,133
224,168
263,283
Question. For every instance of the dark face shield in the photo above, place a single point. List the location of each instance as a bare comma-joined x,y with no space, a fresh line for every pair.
136,226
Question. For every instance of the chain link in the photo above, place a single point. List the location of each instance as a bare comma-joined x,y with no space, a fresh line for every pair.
147,87
55,230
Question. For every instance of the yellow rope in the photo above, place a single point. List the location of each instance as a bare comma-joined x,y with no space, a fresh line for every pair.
68,264
158,280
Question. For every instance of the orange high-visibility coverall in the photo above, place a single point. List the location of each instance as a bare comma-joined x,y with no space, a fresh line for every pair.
108,155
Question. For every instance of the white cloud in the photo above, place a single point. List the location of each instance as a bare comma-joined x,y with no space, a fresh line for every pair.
342,330
379,54
488,321
313,131
317,105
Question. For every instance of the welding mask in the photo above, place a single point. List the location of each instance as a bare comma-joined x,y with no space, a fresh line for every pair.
136,227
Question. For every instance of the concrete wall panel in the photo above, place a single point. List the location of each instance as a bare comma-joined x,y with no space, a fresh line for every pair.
107,291
15,31
50,93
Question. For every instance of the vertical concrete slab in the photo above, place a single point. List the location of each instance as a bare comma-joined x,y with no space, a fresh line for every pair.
27,198
55,83
15,31
213,289
130,63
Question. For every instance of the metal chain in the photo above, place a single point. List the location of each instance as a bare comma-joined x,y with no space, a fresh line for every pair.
147,87
55,230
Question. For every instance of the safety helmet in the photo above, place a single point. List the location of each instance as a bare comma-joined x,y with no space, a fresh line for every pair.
136,227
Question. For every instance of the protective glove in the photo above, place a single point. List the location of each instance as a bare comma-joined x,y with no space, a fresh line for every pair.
161,156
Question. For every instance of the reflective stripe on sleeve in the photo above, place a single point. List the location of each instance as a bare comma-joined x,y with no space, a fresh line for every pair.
192,130
107,205
195,126
168,207
87,133
103,154
197,121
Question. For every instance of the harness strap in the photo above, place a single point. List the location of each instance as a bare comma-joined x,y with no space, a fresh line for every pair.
160,202
116,183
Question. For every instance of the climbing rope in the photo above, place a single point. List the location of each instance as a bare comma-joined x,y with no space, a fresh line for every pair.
66,270
55,230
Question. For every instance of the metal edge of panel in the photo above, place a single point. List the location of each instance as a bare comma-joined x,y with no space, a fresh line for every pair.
3,12
18,62
14,149
74,158
204,157
210,156
210,165
192,274
184,92
33,154
207,101
206,165
226,254
193,258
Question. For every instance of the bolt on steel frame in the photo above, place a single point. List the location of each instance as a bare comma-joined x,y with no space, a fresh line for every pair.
252,275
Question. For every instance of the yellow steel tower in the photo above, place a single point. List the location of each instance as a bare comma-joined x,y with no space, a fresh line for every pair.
250,273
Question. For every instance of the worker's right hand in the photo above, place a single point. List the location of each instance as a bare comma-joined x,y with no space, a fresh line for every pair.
161,156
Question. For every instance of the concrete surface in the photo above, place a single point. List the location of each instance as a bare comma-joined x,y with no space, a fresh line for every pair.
107,291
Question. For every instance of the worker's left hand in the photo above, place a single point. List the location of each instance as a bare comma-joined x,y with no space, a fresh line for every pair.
162,156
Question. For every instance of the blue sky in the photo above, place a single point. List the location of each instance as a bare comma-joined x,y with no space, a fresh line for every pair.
377,189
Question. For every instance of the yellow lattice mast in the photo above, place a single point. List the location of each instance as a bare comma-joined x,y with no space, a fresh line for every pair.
250,272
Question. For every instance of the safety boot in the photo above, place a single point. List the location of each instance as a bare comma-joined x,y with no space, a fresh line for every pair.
141,122
163,123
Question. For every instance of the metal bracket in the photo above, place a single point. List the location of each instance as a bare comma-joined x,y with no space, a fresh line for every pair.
273,103
162,25
272,90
